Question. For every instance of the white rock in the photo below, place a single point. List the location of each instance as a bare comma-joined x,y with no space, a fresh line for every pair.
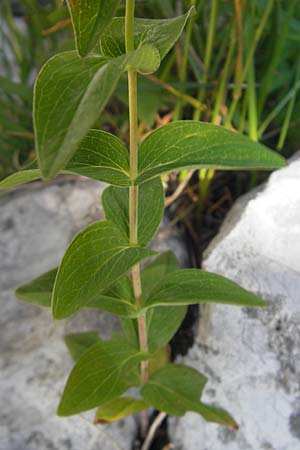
36,226
252,356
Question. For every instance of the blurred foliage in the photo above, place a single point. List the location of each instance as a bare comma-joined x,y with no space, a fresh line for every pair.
24,47
239,59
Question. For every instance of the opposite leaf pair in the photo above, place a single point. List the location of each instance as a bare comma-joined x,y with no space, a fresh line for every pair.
70,94
173,389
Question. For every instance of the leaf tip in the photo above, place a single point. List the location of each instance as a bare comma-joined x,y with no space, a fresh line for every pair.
235,426
192,11
99,421
60,411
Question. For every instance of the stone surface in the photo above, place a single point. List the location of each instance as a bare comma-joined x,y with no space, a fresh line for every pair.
36,226
251,356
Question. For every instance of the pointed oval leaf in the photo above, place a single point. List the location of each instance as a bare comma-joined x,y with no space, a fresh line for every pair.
99,376
160,33
176,389
172,387
79,343
97,257
150,210
117,299
90,18
39,291
69,95
117,409
192,286
191,144
100,156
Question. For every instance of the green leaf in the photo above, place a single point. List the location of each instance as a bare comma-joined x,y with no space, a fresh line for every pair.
118,409
189,144
156,271
159,33
90,18
149,101
145,60
162,323
100,156
19,178
79,343
159,358
130,330
191,286
70,94
96,258
150,210
176,389
117,299
99,376
39,291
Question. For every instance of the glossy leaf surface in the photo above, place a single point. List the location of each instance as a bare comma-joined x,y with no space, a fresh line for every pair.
160,33
90,18
176,389
99,376
189,144
117,409
191,286
100,156
70,94
150,210
97,257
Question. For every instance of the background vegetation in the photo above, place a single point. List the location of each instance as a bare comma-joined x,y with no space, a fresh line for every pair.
238,64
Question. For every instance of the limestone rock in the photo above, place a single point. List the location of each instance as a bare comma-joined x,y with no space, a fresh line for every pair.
36,226
252,356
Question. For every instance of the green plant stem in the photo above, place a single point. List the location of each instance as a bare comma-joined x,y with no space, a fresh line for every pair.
252,104
278,109
180,95
288,116
133,190
184,63
280,37
221,92
250,56
208,52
